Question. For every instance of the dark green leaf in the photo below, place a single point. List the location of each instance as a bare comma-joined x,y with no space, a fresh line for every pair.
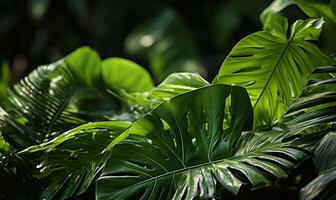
16,175
314,112
325,161
187,153
70,162
333,6
311,8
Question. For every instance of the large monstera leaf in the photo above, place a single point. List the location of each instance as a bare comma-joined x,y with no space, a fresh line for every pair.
191,151
273,64
69,163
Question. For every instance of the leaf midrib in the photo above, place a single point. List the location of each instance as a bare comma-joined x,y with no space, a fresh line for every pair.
273,71
174,172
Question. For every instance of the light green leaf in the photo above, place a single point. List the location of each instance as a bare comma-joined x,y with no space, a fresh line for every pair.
273,64
178,83
122,74
85,63
174,84
4,83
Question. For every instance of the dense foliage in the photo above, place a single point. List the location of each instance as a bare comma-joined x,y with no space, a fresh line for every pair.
86,127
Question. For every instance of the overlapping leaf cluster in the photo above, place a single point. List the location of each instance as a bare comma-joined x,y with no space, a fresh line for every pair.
83,122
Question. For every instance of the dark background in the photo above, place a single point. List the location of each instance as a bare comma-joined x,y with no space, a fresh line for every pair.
36,32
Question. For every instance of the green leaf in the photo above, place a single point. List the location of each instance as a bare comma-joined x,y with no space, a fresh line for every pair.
178,83
313,113
273,64
333,6
122,74
325,160
188,153
71,92
15,133
85,63
275,7
70,162
312,8
310,117
16,173
4,146
43,100
174,84
324,156
4,83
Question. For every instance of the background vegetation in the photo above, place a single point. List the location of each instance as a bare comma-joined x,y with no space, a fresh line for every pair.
166,37
37,32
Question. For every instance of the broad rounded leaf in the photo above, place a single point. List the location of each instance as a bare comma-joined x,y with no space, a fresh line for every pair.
122,74
85,63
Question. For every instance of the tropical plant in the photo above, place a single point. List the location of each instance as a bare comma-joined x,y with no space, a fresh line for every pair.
187,153
4,82
262,61
324,158
83,125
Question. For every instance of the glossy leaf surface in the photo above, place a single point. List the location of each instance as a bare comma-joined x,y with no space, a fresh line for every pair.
70,162
188,153
273,64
